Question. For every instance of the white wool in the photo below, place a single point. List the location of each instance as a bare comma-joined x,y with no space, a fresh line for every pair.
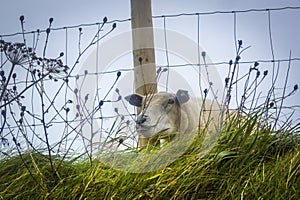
163,119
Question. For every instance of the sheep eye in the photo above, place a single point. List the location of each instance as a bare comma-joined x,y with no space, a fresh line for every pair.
171,101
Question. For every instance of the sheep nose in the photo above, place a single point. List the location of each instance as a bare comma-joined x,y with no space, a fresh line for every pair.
141,119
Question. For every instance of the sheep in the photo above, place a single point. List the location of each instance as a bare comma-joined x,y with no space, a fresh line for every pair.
166,115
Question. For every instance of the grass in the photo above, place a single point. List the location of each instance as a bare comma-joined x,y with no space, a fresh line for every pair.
248,162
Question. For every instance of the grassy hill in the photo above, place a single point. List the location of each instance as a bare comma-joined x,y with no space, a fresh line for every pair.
248,162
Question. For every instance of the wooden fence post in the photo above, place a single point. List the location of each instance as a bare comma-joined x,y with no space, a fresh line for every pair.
143,51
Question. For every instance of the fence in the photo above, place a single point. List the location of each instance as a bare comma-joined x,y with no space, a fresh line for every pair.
74,100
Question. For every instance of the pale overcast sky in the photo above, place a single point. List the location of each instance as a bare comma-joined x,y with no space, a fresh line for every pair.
69,12
216,31
216,35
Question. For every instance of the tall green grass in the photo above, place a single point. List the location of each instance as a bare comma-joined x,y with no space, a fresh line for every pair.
248,162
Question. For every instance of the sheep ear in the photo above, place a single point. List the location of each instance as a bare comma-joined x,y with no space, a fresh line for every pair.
182,96
135,99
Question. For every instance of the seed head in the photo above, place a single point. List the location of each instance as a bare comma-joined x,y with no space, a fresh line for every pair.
227,81
101,103
295,87
104,19
116,110
118,74
3,113
205,92
240,42
165,69
257,74
158,70
121,140
22,18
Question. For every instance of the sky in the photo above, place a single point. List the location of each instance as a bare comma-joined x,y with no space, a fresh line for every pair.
252,28
216,31
75,12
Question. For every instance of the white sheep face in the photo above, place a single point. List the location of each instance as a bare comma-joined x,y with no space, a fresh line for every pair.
160,113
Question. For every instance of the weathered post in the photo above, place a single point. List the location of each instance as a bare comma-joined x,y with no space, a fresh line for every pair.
143,51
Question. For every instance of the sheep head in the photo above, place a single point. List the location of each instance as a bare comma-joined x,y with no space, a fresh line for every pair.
161,112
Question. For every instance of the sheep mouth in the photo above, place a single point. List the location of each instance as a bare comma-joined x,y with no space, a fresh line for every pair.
148,131
144,128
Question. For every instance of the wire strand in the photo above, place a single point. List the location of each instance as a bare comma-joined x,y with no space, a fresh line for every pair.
154,17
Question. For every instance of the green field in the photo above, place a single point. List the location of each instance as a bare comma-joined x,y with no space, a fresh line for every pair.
249,162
